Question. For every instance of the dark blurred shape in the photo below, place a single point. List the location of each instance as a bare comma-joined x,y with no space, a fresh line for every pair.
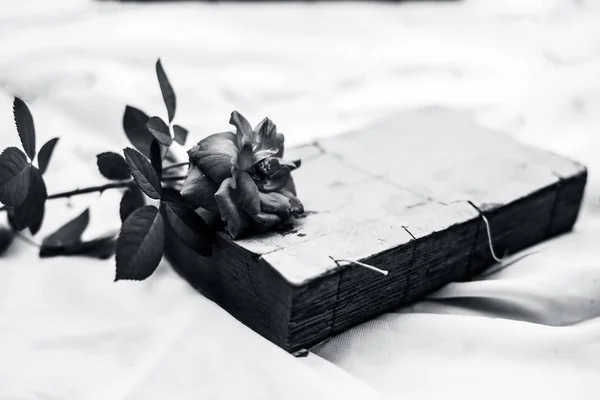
6,238
276,1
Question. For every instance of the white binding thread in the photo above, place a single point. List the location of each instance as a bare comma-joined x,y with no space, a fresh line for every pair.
505,261
360,264
384,272
489,233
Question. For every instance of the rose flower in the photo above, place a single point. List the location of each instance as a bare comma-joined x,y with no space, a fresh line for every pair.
243,177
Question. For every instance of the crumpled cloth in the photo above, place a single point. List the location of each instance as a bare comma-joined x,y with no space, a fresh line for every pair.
524,67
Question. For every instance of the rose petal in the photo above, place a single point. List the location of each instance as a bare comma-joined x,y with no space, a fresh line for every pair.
263,221
296,206
263,154
219,143
244,134
266,137
244,159
247,193
234,171
276,181
278,143
264,132
199,190
214,154
217,167
272,165
265,169
237,220
241,162
275,203
292,165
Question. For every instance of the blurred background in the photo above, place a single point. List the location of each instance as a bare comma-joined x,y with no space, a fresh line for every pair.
316,68
527,68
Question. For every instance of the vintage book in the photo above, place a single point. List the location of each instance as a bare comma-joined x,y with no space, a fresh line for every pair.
403,195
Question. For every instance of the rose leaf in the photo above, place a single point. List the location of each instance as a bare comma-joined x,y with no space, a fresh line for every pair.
180,134
6,238
70,233
132,199
113,166
143,173
160,130
156,158
102,248
134,125
30,213
140,244
45,154
25,127
167,90
188,226
14,177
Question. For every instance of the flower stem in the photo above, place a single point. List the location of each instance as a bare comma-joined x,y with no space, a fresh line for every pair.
173,178
92,189
101,188
182,164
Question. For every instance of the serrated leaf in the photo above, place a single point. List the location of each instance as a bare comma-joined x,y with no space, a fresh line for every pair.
132,199
113,166
102,248
6,238
140,244
31,211
166,89
45,154
160,130
14,177
180,134
156,158
37,224
25,127
134,125
188,226
70,233
143,173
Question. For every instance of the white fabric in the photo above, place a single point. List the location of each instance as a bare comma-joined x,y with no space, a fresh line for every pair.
526,67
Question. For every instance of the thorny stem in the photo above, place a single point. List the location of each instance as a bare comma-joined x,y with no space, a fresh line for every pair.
92,189
101,188
182,164
173,178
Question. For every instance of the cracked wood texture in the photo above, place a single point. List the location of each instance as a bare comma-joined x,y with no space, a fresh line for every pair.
397,196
